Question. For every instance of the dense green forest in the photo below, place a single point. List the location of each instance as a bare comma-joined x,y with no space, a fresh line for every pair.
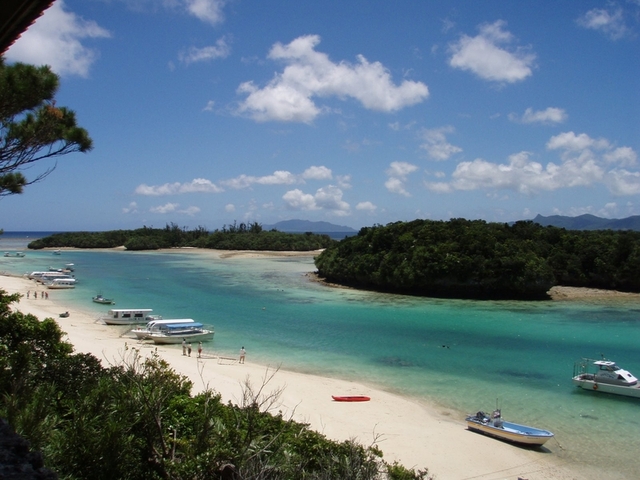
475,259
139,421
234,237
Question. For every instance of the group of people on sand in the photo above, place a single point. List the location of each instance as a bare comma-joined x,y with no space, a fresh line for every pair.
44,295
186,350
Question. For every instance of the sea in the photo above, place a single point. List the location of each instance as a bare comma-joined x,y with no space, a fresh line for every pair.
459,356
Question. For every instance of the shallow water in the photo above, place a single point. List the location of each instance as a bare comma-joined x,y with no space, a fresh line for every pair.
462,355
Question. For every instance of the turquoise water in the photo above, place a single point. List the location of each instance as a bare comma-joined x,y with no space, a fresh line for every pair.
463,355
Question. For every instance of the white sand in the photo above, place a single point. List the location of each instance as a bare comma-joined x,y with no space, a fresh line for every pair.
414,434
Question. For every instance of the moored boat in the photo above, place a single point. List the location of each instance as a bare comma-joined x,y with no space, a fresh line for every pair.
493,425
61,283
350,398
103,300
14,254
127,316
153,326
605,376
173,333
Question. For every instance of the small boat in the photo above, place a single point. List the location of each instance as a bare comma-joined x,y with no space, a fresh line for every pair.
61,283
605,376
14,254
495,426
57,252
64,315
172,333
105,301
127,316
350,398
153,326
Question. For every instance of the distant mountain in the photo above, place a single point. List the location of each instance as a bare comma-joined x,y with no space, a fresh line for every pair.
295,226
589,222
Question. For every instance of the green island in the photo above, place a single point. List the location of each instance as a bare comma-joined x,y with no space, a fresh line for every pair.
138,420
475,259
233,237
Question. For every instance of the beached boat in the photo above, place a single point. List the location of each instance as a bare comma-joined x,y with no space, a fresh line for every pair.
605,376
64,315
495,426
14,254
153,326
127,316
350,398
61,283
103,300
173,333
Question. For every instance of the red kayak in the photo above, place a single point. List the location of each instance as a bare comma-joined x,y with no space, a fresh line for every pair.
351,398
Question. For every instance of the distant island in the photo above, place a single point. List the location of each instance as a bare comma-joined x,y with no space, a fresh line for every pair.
302,226
589,222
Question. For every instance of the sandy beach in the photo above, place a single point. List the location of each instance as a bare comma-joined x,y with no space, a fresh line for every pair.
417,435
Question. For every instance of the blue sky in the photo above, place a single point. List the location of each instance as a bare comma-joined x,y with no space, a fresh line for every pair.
206,112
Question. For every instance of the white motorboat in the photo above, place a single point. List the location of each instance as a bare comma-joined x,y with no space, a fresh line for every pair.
61,283
605,376
14,254
495,426
173,333
99,298
128,316
154,326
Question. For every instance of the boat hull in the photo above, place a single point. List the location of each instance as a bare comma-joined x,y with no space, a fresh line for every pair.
627,391
351,398
205,336
511,432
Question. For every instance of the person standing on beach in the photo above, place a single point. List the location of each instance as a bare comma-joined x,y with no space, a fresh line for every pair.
184,347
199,349
243,353
28,292
189,348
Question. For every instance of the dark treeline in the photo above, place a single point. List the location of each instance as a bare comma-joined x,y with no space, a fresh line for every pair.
138,420
233,237
475,259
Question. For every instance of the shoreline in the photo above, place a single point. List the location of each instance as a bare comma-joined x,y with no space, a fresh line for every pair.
416,434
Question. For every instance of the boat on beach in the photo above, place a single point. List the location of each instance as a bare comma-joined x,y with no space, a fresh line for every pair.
173,333
350,398
493,425
605,376
128,316
153,326
103,300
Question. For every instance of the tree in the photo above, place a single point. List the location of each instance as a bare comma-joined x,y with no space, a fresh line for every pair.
32,127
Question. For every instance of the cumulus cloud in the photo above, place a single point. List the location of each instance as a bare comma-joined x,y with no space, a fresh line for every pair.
229,208
131,208
55,39
484,55
209,11
550,115
610,23
366,207
198,185
279,177
309,74
328,198
173,208
584,161
220,50
398,172
436,145
317,173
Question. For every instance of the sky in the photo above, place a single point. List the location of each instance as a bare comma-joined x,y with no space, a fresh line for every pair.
208,112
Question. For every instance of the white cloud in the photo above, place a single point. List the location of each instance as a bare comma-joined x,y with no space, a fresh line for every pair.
279,177
483,56
583,162
548,116
198,185
328,198
401,169
209,11
344,181
310,74
229,208
317,173
173,208
55,40
610,23
209,106
366,206
220,50
436,143
396,185
132,208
